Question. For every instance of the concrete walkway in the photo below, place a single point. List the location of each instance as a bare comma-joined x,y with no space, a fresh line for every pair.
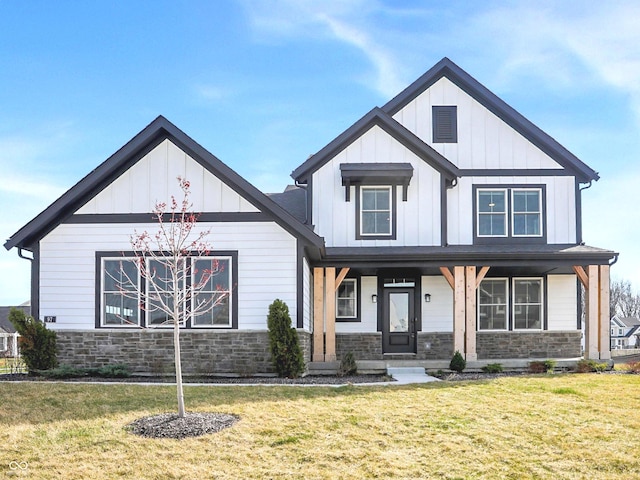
408,375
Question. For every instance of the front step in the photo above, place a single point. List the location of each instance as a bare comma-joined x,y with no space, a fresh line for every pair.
405,371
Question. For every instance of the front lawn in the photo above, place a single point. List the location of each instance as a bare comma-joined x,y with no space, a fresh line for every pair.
550,427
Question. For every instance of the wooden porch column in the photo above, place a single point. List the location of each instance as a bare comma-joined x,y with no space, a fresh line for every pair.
603,294
592,315
330,315
318,315
470,314
459,306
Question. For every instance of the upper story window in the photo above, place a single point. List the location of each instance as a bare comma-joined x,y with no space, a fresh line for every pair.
346,300
445,124
375,211
509,212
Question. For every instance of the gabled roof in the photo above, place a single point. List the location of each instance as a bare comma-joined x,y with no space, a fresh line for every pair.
152,135
376,117
446,68
5,324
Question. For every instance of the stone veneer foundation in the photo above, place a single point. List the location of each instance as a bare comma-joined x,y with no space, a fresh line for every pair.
549,344
151,351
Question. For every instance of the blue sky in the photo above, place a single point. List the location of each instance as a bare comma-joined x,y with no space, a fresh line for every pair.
262,85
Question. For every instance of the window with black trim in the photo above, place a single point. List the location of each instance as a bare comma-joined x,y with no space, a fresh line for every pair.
375,212
445,123
346,300
509,212
515,305
120,303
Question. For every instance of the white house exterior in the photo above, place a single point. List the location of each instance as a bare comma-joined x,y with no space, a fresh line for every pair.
442,221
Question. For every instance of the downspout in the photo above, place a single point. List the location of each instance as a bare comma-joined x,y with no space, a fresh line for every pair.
615,260
304,186
22,256
33,296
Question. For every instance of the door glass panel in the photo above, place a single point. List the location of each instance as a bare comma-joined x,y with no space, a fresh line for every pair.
398,312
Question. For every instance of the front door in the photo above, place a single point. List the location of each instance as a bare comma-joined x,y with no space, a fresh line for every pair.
399,329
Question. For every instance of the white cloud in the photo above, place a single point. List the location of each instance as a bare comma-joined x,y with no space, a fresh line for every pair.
350,22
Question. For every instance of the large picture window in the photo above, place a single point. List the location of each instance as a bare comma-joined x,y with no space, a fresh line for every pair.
346,299
515,305
514,212
120,303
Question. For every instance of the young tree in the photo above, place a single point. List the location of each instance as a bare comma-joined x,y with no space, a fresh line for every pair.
623,300
170,263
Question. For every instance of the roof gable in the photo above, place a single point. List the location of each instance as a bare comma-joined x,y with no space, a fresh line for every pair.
446,68
143,143
376,117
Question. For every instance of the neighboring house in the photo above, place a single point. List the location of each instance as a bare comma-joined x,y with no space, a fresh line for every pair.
625,332
442,221
8,334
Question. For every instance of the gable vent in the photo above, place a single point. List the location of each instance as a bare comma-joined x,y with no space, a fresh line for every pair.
445,124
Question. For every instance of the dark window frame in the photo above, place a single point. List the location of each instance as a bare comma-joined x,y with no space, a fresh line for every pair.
111,255
510,238
393,212
358,298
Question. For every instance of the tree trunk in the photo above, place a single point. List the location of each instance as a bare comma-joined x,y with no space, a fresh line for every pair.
176,348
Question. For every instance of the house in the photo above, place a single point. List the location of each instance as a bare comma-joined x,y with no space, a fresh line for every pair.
443,221
625,332
8,334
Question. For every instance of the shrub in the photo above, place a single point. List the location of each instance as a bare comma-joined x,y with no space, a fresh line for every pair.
492,368
458,363
537,367
550,365
286,354
633,367
63,371
588,366
348,365
37,343
110,371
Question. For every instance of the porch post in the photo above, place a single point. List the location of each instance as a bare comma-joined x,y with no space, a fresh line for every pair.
592,317
459,305
470,331
318,315
330,315
603,294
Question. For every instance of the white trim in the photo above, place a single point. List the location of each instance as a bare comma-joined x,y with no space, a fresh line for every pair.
506,306
513,302
355,299
389,189
513,212
504,214
229,292
102,293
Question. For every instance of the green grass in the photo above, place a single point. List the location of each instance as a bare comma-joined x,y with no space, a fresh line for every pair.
543,427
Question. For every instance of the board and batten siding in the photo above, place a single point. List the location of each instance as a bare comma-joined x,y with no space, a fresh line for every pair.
154,179
418,219
484,140
562,307
266,268
368,310
560,223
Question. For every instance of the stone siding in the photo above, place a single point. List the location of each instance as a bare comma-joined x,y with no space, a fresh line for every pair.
540,345
435,346
363,346
151,351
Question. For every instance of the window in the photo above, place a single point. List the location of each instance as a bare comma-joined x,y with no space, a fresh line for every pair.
519,307
119,299
215,275
346,299
527,304
620,332
509,212
492,213
527,213
445,124
492,304
120,303
376,214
